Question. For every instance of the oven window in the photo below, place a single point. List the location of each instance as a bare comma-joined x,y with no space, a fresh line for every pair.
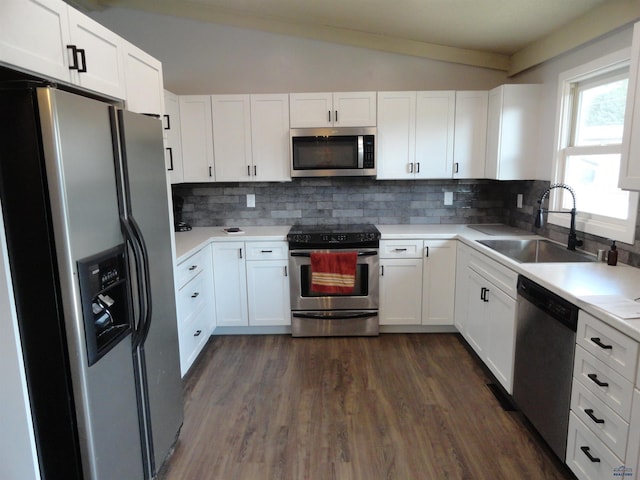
311,153
360,289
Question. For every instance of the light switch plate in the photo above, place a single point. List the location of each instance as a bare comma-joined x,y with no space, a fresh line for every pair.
251,200
448,198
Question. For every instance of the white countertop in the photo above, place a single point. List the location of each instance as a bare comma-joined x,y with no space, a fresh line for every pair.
569,280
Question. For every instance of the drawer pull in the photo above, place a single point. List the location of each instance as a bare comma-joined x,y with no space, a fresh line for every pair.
197,334
399,249
597,341
192,268
266,251
594,379
589,411
593,459
195,294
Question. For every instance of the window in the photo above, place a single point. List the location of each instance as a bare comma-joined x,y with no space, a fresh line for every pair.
592,103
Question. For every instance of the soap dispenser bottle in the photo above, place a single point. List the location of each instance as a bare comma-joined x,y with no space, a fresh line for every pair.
612,255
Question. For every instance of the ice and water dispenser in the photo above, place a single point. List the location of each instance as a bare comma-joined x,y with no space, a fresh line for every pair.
104,290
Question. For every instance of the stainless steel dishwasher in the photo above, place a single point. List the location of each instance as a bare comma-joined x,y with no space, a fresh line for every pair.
545,344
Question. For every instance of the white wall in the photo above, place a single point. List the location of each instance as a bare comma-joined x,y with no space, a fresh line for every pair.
18,460
548,73
204,58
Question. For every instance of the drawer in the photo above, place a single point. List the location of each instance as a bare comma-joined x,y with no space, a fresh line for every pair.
192,266
608,426
192,338
608,345
502,277
267,250
615,391
401,248
587,456
192,298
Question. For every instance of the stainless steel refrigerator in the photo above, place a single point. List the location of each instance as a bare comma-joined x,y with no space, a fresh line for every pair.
84,198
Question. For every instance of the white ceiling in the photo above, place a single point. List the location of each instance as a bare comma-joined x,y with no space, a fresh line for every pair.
485,32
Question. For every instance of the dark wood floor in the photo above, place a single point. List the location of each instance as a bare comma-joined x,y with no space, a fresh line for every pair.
391,407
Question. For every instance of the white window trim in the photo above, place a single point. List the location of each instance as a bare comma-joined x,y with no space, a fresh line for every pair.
620,230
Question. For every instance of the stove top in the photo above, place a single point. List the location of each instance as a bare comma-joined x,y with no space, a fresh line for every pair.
333,236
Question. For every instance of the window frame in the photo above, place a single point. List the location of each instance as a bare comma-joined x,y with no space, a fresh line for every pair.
603,226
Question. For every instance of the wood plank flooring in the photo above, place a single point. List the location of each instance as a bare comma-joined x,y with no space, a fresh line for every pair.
390,407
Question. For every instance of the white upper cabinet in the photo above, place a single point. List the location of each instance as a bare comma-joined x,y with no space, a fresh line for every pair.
145,86
396,134
172,137
270,137
98,55
435,113
415,134
197,138
513,121
340,109
470,134
231,115
630,163
39,45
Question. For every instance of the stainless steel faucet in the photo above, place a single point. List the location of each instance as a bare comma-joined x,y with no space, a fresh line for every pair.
572,242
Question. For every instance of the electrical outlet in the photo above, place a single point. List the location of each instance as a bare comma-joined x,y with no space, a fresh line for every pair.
519,201
251,200
448,198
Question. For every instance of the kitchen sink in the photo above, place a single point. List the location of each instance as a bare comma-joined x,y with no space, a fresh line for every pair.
536,251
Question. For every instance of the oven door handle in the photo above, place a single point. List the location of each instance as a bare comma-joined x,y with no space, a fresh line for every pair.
335,315
308,254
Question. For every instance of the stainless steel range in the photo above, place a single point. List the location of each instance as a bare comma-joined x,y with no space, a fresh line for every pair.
351,311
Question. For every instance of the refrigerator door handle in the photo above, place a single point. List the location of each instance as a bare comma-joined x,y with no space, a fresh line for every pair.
130,237
145,290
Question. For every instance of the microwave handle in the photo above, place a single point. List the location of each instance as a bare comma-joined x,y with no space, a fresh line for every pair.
360,151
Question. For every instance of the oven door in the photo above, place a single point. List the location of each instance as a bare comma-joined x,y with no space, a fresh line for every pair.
363,297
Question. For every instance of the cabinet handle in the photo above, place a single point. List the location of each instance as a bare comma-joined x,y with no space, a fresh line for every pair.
195,294
593,459
483,294
399,249
197,334
249,170
81,66
597,341
170,150
240,250
266,251
167,125
589,411
382,270
594,379
329,112
456,170
427,251
336,116
410,167
192,268
286,274
417,167
255,171
209,171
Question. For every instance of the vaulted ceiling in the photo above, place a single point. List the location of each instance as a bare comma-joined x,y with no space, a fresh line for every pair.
509,35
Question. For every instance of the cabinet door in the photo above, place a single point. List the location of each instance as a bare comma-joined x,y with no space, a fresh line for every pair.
270,137
103,52
231,116
311,110
438,282
143,76
470,134
173,143
197,138
501,324
630,162
435,114
268,292
396,134
476,332
401,291
230,284
354,109
461,310
34,35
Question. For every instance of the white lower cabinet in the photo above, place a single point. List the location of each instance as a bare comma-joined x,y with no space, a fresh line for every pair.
195,299
438,282
488,320
400,282
604,426
252,282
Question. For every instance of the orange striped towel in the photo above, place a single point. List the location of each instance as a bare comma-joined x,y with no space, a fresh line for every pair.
333,272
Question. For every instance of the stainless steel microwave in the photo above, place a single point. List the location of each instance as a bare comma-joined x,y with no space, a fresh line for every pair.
333,152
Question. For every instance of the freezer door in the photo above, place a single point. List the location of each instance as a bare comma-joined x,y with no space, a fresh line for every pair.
147,197
80,167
